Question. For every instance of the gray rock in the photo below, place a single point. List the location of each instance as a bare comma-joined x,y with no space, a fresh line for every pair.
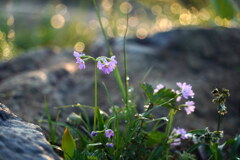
21,140
205,58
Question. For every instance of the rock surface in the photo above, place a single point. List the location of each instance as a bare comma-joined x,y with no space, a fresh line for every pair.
21,140
205,58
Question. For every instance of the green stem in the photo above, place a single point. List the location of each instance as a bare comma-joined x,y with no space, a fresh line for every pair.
103,31
125,66
168,128
116,71
96,86
95,95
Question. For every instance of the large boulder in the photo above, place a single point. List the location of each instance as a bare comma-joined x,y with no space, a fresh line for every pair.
21,140
205,58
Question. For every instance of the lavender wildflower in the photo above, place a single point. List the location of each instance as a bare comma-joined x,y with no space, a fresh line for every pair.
94,133
190,107
109,133
110,145
186,90
80,61
159,86
176,142
107,66
178,132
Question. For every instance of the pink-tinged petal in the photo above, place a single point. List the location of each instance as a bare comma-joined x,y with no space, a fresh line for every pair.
190,107
107,66
100,65
179,84
186,90
81,63
109,133
76,54
176,142
159,87
110,145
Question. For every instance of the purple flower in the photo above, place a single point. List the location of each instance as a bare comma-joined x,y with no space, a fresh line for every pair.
186,90
80,61
180,131
94,133
159,86
190,107
109,133
111,145
106,65
176,142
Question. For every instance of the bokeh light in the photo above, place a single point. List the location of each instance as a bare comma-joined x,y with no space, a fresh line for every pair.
79,46
126,7
57,21
79,25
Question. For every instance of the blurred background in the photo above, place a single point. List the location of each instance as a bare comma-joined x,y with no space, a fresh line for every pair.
27,24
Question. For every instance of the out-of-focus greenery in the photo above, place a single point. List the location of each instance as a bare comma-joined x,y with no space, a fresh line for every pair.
29,24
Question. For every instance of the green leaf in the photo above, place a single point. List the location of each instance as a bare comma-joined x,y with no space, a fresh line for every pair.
198,131
224,8
100,119
155,137
235,148
148,90
68,145
194,147
163,95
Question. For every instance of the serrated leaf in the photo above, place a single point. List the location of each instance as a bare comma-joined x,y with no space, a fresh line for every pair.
68,145
224,8
163,95
148,90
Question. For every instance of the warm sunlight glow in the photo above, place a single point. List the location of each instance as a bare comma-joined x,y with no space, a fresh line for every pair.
57,21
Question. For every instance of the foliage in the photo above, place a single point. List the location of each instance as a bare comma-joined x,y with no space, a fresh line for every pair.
127,134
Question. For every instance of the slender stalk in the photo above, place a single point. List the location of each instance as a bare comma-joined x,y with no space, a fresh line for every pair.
95,95
168,128
103,31
116,71
125,65
96,86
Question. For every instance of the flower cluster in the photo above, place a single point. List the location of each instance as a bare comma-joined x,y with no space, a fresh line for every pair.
106,65
177,135
80,61
185,92
189,107
108,133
